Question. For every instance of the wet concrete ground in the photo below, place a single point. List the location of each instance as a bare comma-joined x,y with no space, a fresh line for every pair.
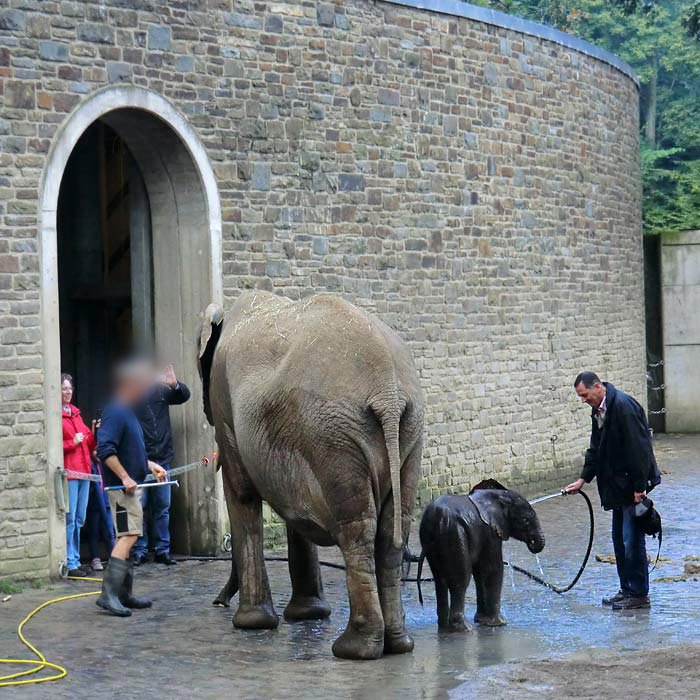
184,647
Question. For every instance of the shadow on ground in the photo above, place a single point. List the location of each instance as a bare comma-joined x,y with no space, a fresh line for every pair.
184,647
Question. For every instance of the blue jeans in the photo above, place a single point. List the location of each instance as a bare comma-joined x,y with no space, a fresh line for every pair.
99,519
156,519
78,492
630,552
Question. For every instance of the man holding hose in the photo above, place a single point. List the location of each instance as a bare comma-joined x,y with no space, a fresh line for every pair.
122,450
622,459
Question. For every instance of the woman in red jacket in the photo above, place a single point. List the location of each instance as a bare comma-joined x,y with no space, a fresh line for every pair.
78,444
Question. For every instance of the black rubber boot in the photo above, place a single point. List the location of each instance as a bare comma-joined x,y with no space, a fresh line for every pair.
126,597
112,585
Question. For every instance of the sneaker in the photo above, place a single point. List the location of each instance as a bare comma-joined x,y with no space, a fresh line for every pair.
77,573
139,559
611,600
96,564
633,602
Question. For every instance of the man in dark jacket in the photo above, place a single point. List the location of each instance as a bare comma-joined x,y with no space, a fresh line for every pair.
621,458
154,415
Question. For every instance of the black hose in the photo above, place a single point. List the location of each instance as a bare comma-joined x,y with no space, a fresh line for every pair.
551,586
419,580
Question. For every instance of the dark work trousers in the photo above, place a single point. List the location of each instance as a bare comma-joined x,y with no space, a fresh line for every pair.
630,552
156,519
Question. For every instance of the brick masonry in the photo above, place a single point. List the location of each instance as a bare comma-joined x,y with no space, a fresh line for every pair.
475,187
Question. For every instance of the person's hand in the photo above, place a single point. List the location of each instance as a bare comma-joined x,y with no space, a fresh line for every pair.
129,485
574,487
169,375
79,437
96,425
639,496
158,471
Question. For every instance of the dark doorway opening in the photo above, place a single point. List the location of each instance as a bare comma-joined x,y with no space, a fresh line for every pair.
104,263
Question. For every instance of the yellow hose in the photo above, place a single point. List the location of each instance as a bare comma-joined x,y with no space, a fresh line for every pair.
41,663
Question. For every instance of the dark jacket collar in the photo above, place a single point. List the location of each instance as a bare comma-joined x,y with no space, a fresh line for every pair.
610,396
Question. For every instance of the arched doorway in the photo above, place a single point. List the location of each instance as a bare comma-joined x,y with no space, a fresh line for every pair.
174,223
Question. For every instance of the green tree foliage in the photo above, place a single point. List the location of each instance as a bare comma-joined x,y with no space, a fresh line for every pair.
660,39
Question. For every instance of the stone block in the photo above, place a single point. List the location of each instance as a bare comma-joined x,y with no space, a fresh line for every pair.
20,94
261,176
325,14
118,72
246,21
351,183
53,51
159,37
96,33
13,20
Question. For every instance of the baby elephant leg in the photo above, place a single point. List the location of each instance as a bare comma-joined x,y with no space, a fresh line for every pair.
458,588
488,577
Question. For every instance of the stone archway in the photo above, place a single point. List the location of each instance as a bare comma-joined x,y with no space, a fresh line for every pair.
185,216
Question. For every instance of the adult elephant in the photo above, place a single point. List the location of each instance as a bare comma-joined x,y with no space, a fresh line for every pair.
317,410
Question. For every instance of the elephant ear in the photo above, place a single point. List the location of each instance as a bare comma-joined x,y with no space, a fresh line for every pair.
488,484
212,324
490,506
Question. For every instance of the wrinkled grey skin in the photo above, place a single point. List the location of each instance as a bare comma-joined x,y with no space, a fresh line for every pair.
318,411
461,537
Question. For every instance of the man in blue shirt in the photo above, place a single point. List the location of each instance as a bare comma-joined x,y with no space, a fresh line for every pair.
122,450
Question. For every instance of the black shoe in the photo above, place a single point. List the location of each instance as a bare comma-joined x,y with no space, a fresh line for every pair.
165,558
77,573
126,597
138,559
112,586
611,600
633,602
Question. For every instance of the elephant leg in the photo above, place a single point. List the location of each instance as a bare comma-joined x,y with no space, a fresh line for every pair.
363,637
458,590
389,558
307,602
457,560
442,601
488,577
255,609
223,600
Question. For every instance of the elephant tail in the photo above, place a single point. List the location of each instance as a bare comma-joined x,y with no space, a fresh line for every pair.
390,426
419,575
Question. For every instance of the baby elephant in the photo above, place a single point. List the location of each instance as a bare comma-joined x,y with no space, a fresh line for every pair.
463,535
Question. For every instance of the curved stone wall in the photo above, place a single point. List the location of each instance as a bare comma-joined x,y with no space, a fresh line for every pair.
473,179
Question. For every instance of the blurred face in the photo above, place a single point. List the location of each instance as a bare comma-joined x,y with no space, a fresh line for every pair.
66,392
134,387
593,396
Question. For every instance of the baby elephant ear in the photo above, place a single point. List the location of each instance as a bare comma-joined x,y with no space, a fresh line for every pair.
490,508
488,484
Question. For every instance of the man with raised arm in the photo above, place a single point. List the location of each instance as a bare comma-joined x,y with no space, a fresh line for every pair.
153,413
621,458
122,450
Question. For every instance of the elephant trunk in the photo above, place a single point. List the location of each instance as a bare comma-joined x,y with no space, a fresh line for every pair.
536,542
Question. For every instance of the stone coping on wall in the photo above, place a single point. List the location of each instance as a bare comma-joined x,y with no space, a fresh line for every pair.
456,8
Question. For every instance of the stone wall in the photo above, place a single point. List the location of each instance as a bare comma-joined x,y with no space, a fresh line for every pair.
475,186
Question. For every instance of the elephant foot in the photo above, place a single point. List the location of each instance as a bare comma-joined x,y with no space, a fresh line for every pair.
397,643
307,608
496,620
455,624
353,645
256,617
